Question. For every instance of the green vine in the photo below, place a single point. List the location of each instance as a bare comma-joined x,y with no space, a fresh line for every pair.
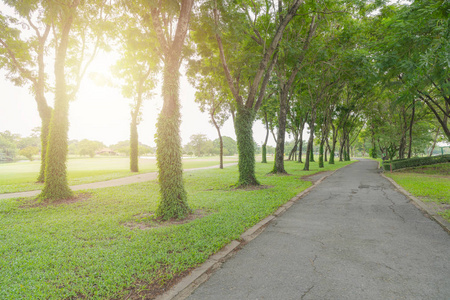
246,149
173,204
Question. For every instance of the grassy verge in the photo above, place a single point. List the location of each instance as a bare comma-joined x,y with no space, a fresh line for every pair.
429,183
21,176
95,248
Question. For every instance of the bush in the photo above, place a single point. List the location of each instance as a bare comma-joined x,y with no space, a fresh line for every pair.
29,151
415,162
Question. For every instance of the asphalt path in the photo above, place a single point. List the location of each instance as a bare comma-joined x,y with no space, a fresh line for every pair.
353,237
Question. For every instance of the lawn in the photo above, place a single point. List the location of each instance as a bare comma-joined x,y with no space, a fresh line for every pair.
102,247
430,183
21,176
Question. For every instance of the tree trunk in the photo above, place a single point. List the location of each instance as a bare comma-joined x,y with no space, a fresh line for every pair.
134,144
309,148
56,186
311,152
300,146
264,146
45,111
347,158
244,135
333,150
411,128
173,204
46,115
168,152
434,142
321,154
220,140
293,153
278,167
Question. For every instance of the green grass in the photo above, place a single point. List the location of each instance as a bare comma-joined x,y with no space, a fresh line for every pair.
21,176
430,183
83,249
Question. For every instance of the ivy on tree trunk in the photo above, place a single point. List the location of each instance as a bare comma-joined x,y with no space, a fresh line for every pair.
244,135
56,186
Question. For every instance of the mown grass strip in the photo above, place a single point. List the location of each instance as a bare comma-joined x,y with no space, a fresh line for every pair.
430,183
86,250
21,176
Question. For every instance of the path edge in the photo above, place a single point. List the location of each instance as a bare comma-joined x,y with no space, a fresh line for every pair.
186,286
421,205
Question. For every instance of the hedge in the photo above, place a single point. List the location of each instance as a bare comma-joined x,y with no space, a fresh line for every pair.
415,162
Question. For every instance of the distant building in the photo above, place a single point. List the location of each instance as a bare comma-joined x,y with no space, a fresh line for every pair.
106,151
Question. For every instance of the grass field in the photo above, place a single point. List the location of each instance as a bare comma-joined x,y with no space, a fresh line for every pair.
430,183
21,176
102,247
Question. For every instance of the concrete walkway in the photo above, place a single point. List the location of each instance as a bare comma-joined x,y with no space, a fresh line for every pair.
109,183
353,237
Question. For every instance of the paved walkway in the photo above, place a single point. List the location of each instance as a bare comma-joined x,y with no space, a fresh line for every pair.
109,183
353,237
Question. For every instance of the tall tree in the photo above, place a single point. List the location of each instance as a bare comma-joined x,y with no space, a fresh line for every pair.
286,77
257,17
24,60
168,153
137,67
56,186
413,47
26,39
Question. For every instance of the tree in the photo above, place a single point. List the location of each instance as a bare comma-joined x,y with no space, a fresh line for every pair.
286,77
210,96
267,114
8,149
137,67
168,154
200,145
229,145
413,46
248,78
24,60
87,147
24,55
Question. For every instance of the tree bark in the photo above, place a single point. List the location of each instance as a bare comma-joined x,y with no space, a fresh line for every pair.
434,142
264,146
300,146
173,203
244,136
220,140
278,167
56,186
309,149
411,128
134,145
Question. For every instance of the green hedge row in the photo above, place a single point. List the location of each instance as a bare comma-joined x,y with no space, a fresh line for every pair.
415,162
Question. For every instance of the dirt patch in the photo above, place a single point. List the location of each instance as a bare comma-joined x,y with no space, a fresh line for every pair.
147,221
44,203
253,187
143,290
437,206
315,177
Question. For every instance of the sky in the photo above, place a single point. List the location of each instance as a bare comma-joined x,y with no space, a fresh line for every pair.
101,113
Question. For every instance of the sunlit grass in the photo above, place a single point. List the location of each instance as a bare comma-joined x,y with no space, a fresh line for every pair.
21,176
83,249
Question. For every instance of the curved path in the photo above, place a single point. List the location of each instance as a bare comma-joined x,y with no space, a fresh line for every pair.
109,183
353,237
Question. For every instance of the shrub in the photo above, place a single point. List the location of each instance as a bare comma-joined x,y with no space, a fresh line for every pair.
415,162
29,151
